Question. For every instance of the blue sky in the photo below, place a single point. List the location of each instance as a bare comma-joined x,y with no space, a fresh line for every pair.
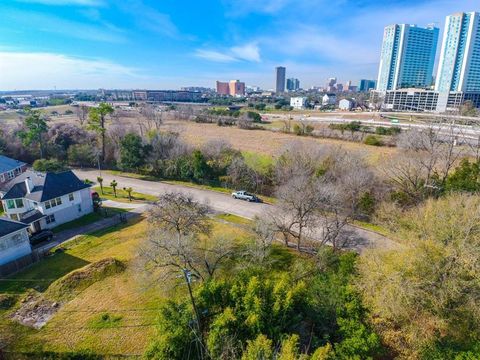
166,44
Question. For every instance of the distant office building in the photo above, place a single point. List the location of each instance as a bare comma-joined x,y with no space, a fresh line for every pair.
407,57
424,100
366,85
331,84
348,84
280,72
298,102
293,84
339,88
417,100
459,65
237,88
166,95
223,88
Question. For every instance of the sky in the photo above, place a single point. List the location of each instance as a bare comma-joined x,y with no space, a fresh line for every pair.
168,44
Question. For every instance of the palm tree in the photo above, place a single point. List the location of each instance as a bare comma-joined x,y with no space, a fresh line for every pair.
114,185
129,192
100,181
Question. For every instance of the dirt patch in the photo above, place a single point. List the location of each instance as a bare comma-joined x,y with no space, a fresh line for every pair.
35,311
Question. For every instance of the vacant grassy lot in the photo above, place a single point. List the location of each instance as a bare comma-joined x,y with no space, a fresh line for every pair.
115,315
268,142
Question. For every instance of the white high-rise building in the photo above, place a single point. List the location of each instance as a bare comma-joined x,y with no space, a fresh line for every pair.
408,57
459,65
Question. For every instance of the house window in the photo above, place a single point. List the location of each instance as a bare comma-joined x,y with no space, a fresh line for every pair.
14,217
79,208
71,197
10,175
16,239
50,219
19,203
10,204
52,203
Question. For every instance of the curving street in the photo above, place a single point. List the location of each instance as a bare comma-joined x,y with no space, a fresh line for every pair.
223,203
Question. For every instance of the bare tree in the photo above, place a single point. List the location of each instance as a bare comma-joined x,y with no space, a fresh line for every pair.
428,157
178,238
82,114
153,115
298,202
319,196
265,235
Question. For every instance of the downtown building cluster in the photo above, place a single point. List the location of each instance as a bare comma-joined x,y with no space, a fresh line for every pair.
405,77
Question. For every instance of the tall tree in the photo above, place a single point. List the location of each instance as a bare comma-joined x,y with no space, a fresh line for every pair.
96,122
132,152
35,127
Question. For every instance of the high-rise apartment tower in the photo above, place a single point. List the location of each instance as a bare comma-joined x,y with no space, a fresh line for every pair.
407,57
459,65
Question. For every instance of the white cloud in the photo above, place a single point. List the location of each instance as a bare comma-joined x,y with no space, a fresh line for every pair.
149,18
213,55
248,52
66,2
23,70
54,24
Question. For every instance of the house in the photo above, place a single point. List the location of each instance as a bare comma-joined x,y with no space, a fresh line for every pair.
329,99
46,200
346,104
10,168
14,241
298,102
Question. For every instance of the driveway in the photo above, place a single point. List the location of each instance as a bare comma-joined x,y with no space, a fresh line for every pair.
226,204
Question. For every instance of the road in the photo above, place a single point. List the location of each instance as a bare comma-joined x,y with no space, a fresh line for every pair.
224,203
466,132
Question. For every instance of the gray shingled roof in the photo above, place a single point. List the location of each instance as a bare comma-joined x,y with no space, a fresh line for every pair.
46,186
8,164
8,226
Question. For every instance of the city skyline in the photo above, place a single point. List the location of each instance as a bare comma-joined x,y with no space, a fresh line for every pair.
139,44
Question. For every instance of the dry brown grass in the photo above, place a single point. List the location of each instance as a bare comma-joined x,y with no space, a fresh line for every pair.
268,142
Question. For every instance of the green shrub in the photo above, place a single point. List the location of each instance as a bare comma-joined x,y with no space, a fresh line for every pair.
372,140
49,165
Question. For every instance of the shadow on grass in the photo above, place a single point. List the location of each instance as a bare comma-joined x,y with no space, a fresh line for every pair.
40,275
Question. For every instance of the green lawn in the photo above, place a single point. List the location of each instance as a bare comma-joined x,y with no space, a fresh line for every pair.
234,219
122,195
89,218
107,317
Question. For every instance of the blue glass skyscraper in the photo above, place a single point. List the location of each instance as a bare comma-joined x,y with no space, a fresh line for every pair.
459,65
408,57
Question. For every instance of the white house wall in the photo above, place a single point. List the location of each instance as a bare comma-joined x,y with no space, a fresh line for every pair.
14,246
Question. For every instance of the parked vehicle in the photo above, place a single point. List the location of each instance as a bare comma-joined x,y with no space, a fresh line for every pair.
243,195
39,237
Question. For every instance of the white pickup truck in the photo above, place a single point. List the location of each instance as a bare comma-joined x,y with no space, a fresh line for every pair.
243,195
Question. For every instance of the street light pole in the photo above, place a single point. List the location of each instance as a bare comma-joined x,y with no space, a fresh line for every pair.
188,279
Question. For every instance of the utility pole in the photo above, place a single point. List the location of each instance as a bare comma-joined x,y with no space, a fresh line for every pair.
188,279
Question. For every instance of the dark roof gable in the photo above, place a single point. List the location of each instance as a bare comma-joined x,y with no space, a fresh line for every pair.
8,164
45,186
8,226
